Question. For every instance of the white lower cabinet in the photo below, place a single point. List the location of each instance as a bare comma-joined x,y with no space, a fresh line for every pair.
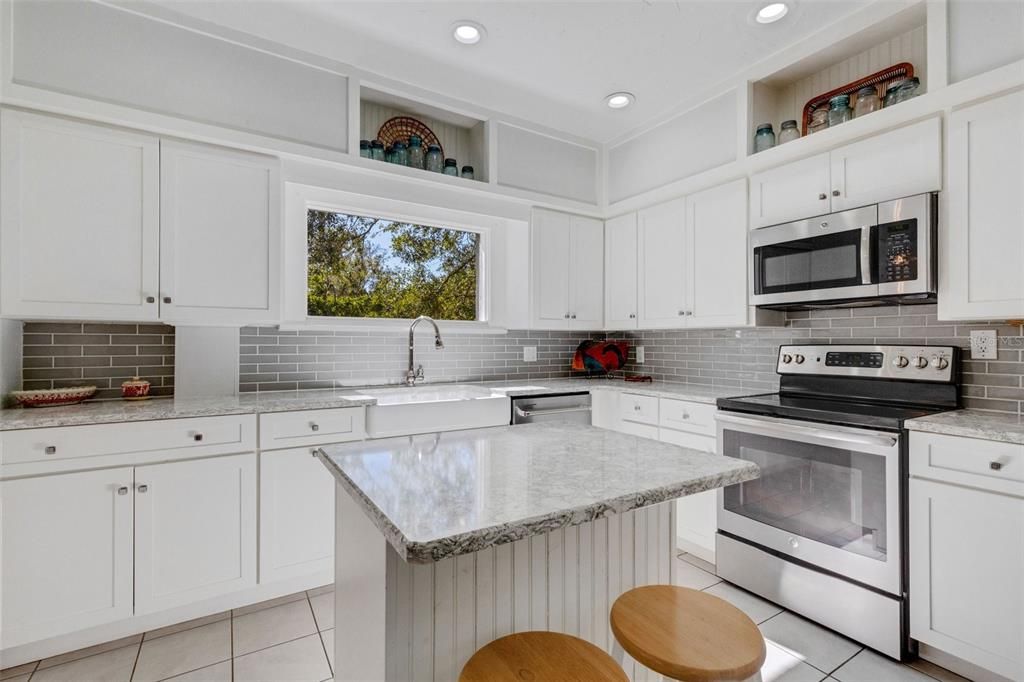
66,550
195,530
296,515
967,551
696,515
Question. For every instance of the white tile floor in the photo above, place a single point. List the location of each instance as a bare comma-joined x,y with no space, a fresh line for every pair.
292,640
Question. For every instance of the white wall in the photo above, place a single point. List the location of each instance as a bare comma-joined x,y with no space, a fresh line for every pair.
539,163
983,35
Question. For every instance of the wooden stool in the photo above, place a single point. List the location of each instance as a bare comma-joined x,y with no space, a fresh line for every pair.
687,635
541,657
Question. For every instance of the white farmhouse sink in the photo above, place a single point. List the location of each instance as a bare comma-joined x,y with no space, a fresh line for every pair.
428,409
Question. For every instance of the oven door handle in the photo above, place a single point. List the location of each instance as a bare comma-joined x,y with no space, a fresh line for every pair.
786,428
558,410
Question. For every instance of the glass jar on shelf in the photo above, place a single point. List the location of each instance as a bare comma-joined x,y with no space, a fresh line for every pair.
416,153
910,89
451,167
764,138
892,93
364,149
399,154
789,132
839,110
467,172
377,150
867,101
434,162
819,120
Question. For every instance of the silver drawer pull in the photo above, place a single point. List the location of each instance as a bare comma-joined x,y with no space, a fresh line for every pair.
314,427
123,490
143,488
686,415
50,449
995,466
197,437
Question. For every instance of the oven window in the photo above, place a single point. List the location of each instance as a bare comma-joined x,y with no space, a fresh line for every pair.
814,263
830,495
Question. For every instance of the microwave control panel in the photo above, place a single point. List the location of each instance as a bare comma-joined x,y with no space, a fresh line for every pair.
897,251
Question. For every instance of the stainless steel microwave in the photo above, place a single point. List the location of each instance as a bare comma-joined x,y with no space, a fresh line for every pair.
873,255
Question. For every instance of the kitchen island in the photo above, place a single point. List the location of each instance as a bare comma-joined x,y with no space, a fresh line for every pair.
445,542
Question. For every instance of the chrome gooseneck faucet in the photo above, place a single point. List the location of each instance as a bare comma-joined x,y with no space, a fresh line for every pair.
415,372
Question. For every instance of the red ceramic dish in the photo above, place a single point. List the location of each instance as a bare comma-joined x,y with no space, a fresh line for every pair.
54,397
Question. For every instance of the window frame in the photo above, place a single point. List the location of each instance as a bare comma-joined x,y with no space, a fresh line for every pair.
299,199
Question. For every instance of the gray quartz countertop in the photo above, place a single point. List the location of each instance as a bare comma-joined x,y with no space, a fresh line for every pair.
1008,428
442,495
114,411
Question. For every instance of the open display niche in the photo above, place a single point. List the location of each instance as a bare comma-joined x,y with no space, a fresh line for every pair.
782,95
462,137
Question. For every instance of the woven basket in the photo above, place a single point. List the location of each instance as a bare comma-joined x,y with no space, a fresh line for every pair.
399,128
879,78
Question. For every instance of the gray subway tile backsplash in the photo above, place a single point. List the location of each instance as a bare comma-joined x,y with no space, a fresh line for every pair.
63,354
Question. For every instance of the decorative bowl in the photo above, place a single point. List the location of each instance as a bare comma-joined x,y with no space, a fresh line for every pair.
54,396
135,389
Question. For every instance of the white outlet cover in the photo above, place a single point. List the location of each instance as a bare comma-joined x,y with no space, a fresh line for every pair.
983,345
529,353
639,355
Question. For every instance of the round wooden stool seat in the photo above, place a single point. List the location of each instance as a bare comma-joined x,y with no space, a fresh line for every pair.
687,635
542,657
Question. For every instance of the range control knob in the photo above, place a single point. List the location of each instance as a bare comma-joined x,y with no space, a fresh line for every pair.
939,362
786,359
920,362
900,361
798,359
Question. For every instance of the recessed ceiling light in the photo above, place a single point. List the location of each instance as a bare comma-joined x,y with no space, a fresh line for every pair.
772,12
619,100
468,32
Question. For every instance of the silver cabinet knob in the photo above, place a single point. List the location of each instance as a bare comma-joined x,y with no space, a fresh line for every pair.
995,466
824,225
123,490
314,427
681,313
150,299
566,316
50,449
632,316
142,488
167,299
573,316
686,415
636,408
822,196
835,192
689,312
197,437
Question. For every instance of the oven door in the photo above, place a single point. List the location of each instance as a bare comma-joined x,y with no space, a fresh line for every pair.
827,495
821,259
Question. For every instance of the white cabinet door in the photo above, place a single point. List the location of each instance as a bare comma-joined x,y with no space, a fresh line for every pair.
550,236
696,515
620,283
195,530
716,233
79,220
662,263
790,192
896,164
220,222
981,274
296,515
966,563
586,266
67,553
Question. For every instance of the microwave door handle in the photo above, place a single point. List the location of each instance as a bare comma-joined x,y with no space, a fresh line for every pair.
791,431
867,255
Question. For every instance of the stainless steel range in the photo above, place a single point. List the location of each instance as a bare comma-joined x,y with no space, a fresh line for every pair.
823,531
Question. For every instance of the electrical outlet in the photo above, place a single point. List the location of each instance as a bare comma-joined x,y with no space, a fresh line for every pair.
639,355
529,353
983,345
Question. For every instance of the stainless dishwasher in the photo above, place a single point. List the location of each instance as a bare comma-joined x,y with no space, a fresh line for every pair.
566,407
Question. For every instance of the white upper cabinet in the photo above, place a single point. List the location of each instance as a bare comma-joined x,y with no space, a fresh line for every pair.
568,271
220,222
716,244
662,261
981,274
895,164
620,272
79,223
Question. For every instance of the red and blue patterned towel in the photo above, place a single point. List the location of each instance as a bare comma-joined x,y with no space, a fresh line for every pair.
600,357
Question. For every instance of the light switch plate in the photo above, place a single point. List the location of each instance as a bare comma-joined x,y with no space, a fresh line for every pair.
639,355
529,353
983,345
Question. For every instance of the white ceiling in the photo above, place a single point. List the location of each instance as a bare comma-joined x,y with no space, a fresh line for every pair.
549,62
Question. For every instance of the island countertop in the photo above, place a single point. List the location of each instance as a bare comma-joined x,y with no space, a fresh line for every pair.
442,495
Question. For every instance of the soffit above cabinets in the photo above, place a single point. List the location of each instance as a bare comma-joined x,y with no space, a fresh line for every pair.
550,63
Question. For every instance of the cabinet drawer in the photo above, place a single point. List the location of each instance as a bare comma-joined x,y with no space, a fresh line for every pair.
686,416
312,427
968,461
638,408
198,437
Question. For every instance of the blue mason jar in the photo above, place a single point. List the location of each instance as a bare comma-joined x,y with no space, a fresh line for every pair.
399,154
364,149
450,167
416,154
764,138
434,162
377,150
839,110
